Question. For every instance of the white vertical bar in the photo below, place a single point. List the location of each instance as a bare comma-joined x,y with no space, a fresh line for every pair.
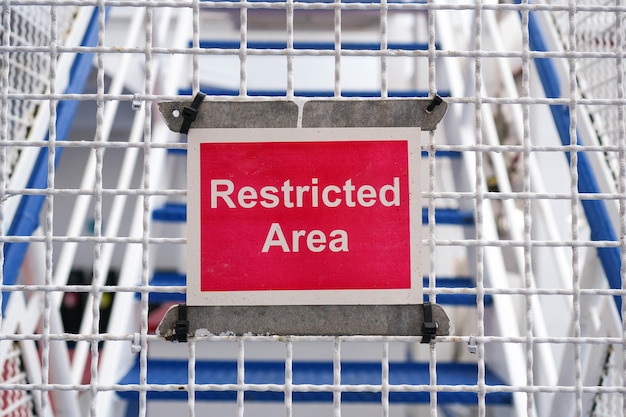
572,63
384,85
337,33
240,376
575,209
621,125
432,244
385,380
290,57
432,78
526,144
195,80
243,49
479,208
48,229
336,377
146,186
4,135
432,368
479,186
288,378
97,232
191,379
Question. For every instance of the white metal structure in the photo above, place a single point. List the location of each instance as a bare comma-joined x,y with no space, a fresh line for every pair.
524,219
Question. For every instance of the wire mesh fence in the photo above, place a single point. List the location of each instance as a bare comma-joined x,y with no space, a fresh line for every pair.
522,204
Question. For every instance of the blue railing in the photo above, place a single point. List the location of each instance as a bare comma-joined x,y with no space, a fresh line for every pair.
595,210
26,218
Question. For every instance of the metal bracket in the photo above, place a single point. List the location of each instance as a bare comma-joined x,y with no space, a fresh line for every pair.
330,320
423,113
335,320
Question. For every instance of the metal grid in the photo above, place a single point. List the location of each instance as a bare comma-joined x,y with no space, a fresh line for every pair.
532,148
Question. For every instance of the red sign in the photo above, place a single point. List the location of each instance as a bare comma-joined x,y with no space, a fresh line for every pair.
292,217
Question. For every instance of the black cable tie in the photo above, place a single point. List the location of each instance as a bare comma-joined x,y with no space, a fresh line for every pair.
434,103
181,328
190,113
429,326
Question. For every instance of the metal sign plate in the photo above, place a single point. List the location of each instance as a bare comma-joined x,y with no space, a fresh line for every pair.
304,216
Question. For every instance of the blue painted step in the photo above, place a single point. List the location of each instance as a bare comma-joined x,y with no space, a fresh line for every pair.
444,154
323,46
450,216
177,212
162,279
162,371
468,300
170,212
177,151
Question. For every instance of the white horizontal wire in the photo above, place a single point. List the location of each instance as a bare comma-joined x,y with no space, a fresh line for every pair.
443,290
409,6
433,195
103,337
392,51
314,388
228,98
93,239
439,242
434,148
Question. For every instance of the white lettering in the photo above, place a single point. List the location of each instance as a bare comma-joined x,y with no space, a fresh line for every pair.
339,242
270,199
223,193
275,237
316,240
298,196
295,239
247,197
314,193
348,188
395,193
287,189
327,191
300,190
366,196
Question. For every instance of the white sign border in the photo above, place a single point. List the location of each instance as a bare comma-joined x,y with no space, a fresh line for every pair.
196,297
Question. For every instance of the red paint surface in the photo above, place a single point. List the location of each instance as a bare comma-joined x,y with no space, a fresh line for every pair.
232,239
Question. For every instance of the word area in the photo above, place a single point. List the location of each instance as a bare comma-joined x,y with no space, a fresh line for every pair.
315,240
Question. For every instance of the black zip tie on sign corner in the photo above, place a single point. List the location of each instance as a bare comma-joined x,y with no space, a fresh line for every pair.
429,326
190,113
181,328
436,101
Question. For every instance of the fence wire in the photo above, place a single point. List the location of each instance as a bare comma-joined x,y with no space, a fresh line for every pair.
528,165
